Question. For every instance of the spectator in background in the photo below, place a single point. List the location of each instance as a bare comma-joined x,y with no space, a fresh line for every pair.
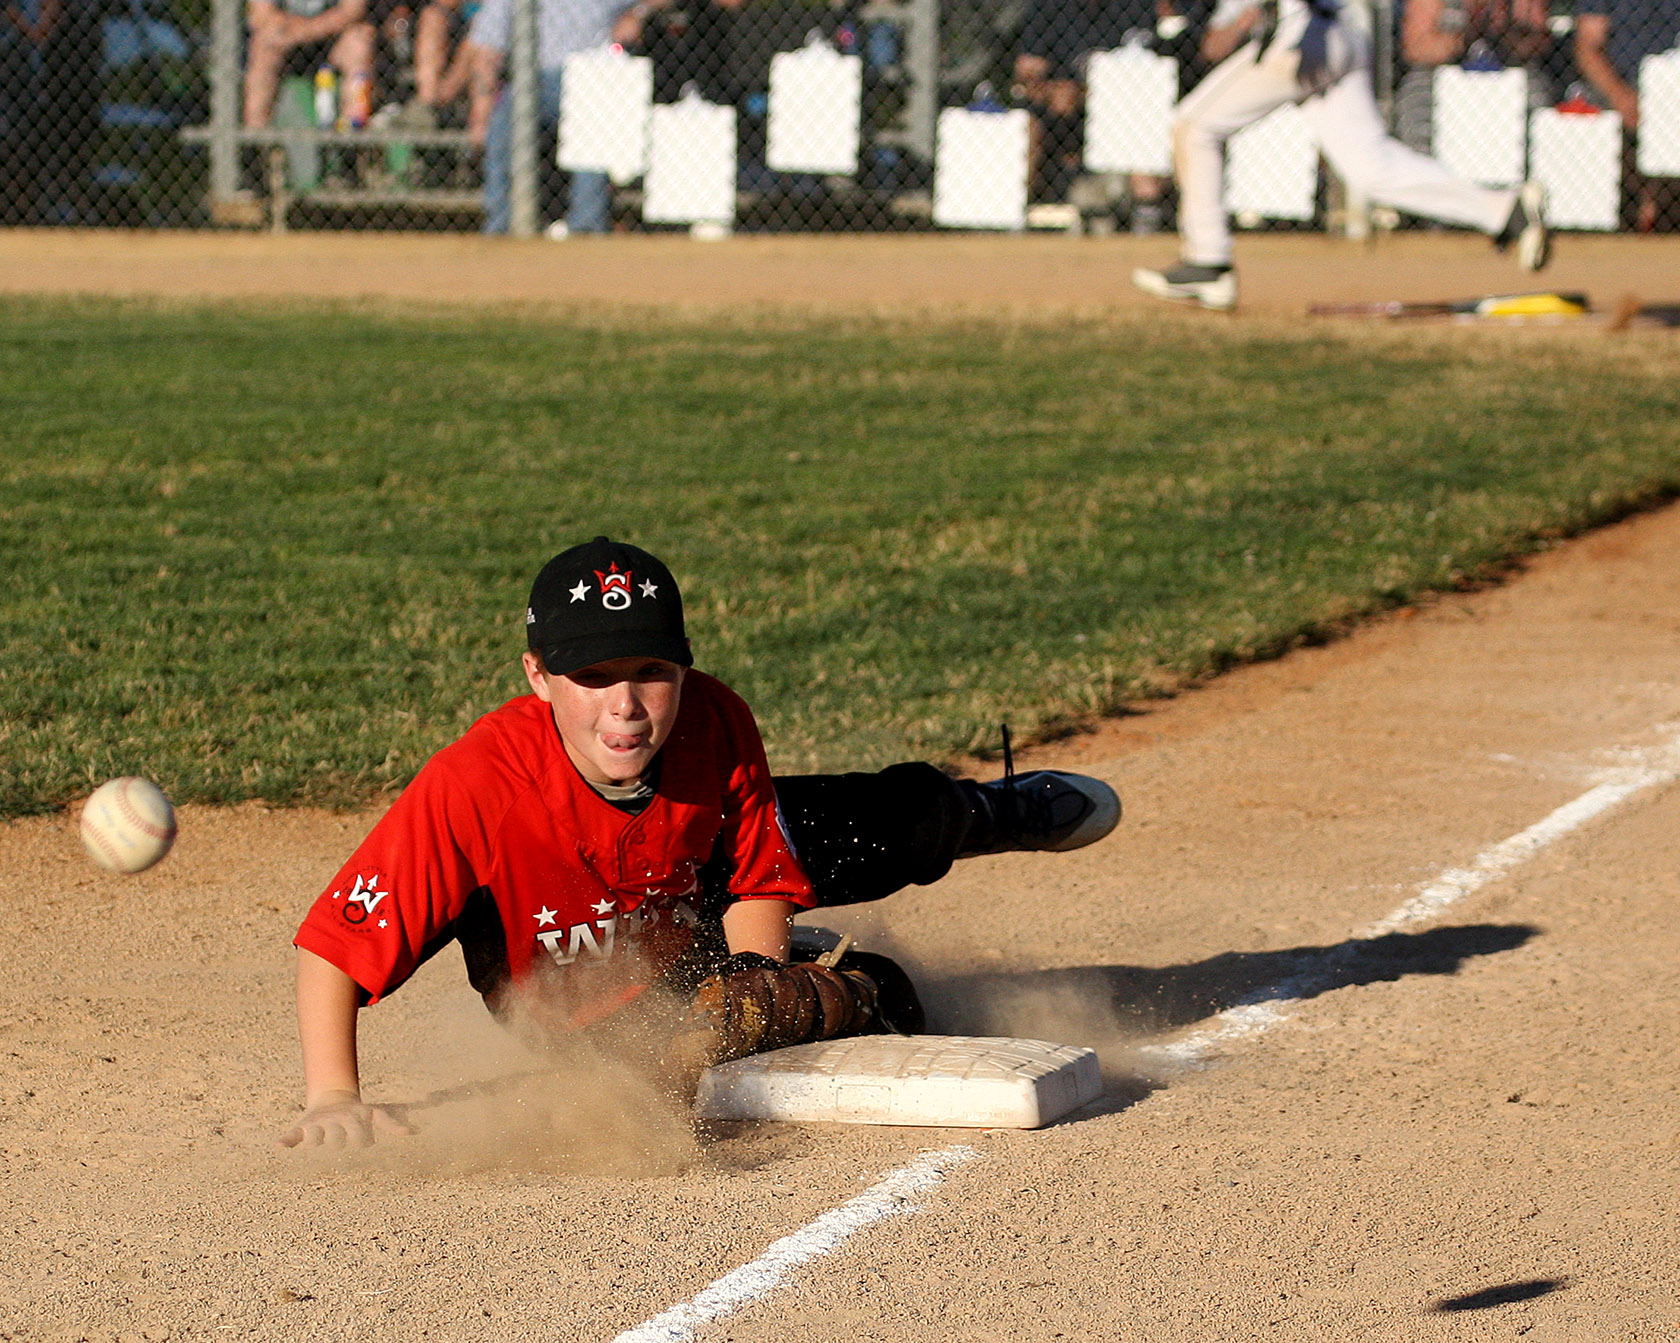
298,37
54,72
723,50
563,28
1056,43
442,62
1433,33
1611,38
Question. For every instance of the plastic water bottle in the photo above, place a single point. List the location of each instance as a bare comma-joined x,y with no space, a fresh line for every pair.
402,40
357,105
326,98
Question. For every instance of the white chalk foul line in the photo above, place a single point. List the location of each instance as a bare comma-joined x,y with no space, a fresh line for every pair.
1266,1007
891,1197
895,1195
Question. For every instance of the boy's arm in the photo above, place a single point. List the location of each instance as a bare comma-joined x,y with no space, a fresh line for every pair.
334,1113
764,926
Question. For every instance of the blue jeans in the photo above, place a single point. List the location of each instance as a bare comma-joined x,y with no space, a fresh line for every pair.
590,210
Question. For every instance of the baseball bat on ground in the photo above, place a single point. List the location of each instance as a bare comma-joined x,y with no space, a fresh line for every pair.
1543,304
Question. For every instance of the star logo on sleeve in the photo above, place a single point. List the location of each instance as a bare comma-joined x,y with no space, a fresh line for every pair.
363,899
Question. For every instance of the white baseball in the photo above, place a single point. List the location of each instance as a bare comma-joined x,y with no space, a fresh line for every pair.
128,825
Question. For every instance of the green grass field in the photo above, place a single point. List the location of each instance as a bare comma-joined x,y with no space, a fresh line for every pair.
282,552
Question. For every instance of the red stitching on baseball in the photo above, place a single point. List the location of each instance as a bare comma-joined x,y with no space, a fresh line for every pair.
135,818
98,837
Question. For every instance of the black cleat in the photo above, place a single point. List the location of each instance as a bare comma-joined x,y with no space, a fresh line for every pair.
1046,811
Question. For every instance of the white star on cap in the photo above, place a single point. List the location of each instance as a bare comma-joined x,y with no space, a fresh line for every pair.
545,915
648,589
603,907
580,591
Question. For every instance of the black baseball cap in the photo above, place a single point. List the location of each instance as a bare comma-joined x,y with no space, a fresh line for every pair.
604,600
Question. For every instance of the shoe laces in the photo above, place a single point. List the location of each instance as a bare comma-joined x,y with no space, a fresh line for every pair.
1010,822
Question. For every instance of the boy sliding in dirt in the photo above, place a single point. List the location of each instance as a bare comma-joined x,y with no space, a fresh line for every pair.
616,831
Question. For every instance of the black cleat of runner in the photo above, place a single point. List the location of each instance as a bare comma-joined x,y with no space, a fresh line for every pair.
1045,811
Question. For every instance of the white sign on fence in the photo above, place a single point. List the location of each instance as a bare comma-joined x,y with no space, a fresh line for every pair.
1272,167
1659,115
1578,156
605,98
980,169
1480,121
816,105
691,163
1128,111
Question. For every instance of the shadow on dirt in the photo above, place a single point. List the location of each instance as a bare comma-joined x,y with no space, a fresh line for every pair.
1504,1295
1114,1008
1146,999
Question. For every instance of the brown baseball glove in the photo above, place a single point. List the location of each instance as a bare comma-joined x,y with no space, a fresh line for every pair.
753,1004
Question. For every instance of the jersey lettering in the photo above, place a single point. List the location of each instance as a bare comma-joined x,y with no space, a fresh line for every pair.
566,945
579,939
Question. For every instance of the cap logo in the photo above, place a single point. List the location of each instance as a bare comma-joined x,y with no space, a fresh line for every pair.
615,588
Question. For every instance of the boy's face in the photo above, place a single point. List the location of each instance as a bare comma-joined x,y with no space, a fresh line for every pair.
613,716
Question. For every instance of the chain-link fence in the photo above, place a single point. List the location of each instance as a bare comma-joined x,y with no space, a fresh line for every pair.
735,115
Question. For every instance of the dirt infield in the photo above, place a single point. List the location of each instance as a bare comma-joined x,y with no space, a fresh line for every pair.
1465,1131
1470,1135
1280,273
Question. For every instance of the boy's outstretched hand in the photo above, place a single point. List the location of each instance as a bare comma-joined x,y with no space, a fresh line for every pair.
343,1119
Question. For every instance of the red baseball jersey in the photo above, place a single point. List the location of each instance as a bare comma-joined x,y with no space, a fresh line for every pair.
593,903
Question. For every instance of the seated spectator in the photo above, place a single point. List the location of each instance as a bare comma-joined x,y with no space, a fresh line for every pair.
1056,43
441,70
298,37
1434,33
1611,38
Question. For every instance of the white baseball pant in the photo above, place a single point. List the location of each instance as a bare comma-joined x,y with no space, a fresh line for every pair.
1344,119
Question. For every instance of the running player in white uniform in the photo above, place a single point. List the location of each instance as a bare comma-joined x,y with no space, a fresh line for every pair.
1306,52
